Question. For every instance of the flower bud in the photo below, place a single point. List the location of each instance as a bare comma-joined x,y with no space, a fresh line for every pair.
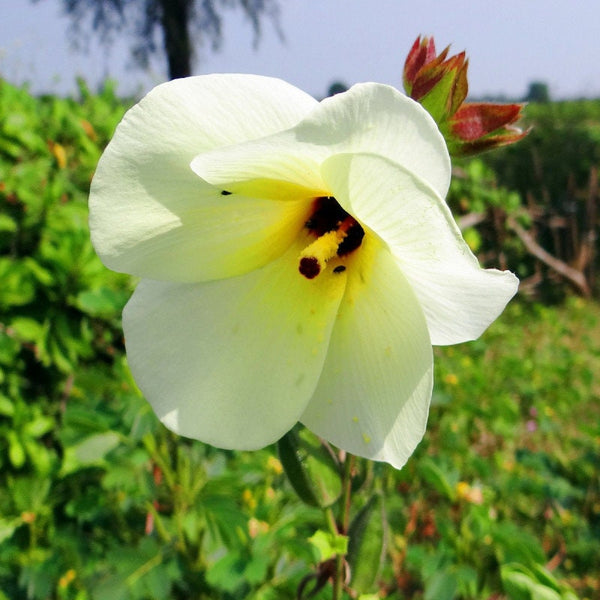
439,83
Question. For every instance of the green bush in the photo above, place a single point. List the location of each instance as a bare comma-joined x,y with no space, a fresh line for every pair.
554,161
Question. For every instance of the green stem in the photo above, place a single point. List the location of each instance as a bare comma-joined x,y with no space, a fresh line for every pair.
347,491
338,581
331,521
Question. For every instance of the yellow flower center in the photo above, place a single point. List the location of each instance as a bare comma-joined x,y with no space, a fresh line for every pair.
338,234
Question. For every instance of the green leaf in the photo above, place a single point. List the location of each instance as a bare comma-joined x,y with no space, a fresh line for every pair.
311,469
442,586
17,288
512,544
27,329
366,544
256,569
41,457
227,573
437,478
7,408
7,527
520,583
89,452
7,223
39,426
328,544
103,302
16,452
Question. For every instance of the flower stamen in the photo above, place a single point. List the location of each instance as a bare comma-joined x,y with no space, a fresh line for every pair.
343,237
315,256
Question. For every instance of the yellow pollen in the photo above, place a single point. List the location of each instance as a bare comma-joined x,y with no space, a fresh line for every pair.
315,256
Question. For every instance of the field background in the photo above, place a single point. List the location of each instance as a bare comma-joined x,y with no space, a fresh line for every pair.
98,501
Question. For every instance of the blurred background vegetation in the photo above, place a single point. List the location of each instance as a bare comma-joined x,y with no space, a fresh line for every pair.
99,502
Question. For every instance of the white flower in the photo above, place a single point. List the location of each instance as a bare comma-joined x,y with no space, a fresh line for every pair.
297,260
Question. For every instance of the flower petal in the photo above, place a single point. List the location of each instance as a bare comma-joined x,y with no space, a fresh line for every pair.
232,362
374,392
215,236
149,214
459,298
369,118
378,119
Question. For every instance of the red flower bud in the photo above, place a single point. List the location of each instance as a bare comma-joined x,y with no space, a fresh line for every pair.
440,84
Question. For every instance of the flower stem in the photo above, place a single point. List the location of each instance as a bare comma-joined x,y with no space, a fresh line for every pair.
338,580
347,491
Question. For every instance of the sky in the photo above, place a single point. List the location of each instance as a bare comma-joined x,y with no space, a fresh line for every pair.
509,44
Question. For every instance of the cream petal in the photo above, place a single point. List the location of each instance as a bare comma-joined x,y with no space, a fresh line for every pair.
216,237
374,392
378,119
150,215
459,298
369,118
232,362
270,161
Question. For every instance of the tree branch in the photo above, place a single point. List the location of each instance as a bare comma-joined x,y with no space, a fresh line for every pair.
576,277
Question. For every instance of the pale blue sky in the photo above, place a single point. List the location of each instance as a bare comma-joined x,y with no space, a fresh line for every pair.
509,42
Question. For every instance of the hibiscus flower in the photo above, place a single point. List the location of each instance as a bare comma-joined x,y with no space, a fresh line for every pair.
297,261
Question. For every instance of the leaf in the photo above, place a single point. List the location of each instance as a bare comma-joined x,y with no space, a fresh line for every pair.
256,569
366,545
328,544
17,288
227,573
442,586
521,584
103,302
437,478
7,224
7,408
16,452
90,452
39,426
7,527
514,544
310,468
137,573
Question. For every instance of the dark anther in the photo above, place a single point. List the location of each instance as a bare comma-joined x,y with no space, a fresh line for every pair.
352,241
339,269
309,267
328,216
225,193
